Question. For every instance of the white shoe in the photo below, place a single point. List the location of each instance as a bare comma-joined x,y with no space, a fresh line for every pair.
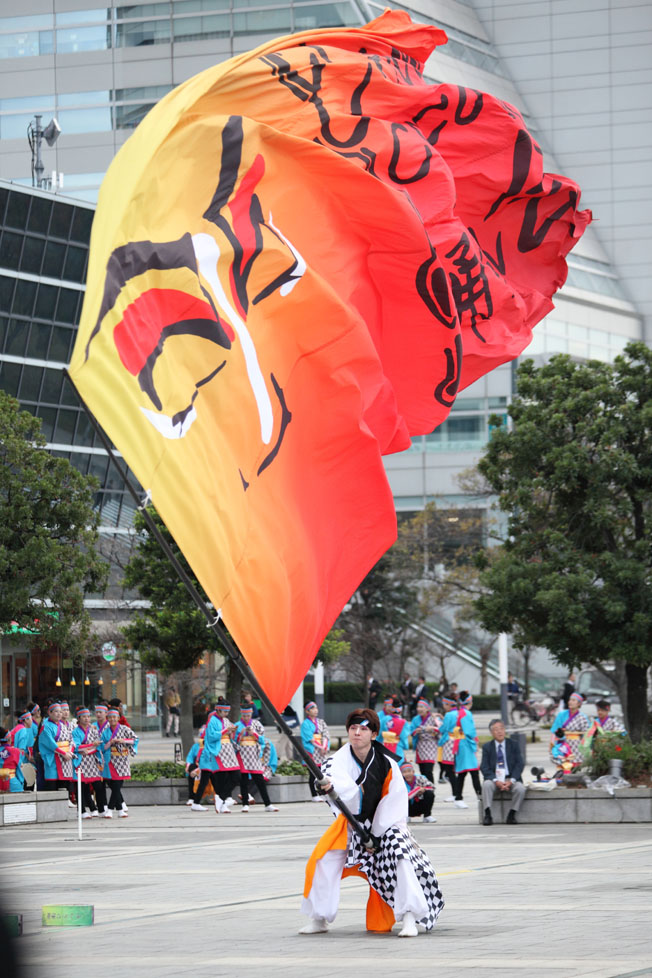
271,808
189,802
198,808
122,814
87,815
429,818
219,806
107,814
316,798
461,804
245,808
95,814
229,802
124,807
316,925
71,804
452,798
409,928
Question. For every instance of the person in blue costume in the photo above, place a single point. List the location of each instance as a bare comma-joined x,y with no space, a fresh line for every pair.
192,766
459,727
217,759
394,731
56,750
22,738
576,725
387,710
315,738
250,743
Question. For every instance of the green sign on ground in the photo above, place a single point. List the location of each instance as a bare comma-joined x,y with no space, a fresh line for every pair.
76,915
13,924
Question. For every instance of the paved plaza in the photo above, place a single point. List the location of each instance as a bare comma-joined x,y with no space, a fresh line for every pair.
183,893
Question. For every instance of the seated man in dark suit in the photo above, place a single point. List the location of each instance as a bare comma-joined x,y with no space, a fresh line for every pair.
502,766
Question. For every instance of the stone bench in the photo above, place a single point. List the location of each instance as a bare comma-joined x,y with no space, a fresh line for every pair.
20,807
173,791
575,805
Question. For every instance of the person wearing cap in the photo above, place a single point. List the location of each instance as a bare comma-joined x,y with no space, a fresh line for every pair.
421,793
217,760
118,745
22,738
250,743
402,881
56,749
315,738
394,731
445,754
459,728
425,737
575,725
89,761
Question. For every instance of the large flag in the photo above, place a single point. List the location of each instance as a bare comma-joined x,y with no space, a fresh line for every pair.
298,259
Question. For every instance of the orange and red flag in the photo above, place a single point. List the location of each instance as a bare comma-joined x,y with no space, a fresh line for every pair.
297,260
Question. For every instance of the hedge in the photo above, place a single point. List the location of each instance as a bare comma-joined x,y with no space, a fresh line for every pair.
342,692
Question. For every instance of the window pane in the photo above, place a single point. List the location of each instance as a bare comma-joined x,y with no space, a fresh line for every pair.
32,255
48,417
10,377
60,344
24,297
17,210
195,6
324,15
11,247
65,427
30,383
142,33
39,215
142,10
4,196
74,267
16,338
98,466
46,302
84,434
95,119
68,394
4,323
55,254
25,23
51,389
19,45
128,116
61,218
262,22
84,16
81,225
202,28
83,39
39,338
75,99
7,285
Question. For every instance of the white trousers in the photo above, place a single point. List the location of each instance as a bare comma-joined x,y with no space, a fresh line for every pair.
324,897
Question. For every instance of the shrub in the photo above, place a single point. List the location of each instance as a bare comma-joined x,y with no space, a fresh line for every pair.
291,767
153,770
636,758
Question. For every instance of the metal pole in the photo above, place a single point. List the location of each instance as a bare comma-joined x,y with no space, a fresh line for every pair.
79,803
217,626
502,669
319,687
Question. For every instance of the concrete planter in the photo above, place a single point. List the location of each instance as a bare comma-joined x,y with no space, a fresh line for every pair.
576,805
174,791
288,787
163,791
33,806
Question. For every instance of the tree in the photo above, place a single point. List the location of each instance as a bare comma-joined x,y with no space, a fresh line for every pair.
574,475
48,536
172,634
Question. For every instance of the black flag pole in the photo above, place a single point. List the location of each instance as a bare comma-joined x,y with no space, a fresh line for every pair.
215,623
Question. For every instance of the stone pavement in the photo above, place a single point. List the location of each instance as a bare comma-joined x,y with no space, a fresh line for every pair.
181,893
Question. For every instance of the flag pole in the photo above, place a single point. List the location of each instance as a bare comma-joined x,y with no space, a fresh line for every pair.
215,623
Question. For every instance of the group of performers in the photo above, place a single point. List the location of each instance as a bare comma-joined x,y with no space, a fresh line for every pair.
572,731
229,754
96,750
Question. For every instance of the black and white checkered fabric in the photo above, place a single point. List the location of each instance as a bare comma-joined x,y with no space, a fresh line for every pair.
380,868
